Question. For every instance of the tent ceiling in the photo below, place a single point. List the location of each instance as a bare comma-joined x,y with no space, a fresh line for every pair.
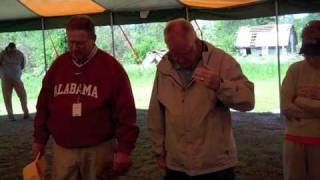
12,9
137,5
62,7
16,16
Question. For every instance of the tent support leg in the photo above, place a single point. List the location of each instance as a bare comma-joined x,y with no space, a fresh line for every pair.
276,5
44,44
112,35
187,14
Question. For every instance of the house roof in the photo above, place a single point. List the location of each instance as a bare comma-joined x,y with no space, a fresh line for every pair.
264,35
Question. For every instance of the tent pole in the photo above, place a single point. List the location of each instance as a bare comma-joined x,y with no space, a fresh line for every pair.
187,14
278,49
44,44
112,34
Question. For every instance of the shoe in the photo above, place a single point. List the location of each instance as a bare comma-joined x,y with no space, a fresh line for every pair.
11,118
26,117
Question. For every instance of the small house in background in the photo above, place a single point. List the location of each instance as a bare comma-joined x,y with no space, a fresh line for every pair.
153,57
262,40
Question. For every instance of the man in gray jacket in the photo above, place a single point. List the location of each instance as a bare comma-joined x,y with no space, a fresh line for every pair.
189,115
12,62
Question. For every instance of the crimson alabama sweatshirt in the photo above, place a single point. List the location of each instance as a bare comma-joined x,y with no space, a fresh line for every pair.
102,88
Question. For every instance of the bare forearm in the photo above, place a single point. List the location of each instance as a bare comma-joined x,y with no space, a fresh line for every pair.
294,111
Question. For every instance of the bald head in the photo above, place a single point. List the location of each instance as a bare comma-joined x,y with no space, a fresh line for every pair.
179,24
179,35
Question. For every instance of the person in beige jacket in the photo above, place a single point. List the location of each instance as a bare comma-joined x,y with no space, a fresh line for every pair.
300,104
189,117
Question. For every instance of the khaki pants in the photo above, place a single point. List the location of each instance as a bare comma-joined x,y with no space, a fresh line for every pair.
7,87
301,161
92,163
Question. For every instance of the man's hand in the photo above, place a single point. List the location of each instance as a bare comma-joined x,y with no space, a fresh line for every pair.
121,163
312,92
207,78
161,161
38,148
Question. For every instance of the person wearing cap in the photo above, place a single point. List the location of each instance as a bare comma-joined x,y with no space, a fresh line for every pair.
189,116
86,105
300,105
13,62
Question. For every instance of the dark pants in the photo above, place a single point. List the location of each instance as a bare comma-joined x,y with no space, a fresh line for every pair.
227,174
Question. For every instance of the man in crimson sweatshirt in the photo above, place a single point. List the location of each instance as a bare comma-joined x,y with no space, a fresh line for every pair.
86,105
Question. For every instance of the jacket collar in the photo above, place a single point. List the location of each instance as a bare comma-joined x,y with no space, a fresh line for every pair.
166,67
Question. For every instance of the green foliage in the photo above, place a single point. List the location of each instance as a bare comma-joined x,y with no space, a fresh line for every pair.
143,37
140,76
264,69
264,20
56,44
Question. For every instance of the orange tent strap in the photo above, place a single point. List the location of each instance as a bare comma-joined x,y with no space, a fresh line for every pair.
131,46
216,3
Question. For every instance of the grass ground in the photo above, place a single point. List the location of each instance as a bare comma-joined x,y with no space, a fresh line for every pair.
258,137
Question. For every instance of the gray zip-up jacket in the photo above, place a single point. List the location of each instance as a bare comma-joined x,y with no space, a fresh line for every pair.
191,124
12,64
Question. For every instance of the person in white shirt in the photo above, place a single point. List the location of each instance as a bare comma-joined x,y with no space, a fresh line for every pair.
12,62
300,104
